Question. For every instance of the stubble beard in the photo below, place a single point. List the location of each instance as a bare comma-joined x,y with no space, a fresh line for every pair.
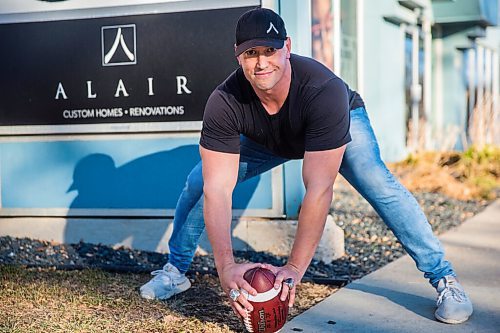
267,84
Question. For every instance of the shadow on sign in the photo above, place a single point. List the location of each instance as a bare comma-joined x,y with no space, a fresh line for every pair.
150,182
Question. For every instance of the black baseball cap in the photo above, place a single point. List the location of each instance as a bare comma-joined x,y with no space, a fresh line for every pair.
259,27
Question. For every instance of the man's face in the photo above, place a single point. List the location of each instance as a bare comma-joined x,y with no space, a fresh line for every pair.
265,66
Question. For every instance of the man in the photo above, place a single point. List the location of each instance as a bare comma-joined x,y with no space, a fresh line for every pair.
279,106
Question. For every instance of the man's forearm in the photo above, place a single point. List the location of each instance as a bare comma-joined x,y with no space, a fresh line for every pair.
217,214
319,171
220,171
312,217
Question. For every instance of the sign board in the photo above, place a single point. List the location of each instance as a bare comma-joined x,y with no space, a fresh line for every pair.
86,75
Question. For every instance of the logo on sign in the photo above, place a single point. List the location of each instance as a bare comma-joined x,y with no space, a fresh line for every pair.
118,45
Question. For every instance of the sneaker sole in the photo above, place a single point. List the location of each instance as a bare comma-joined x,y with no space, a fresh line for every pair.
449,321
145,296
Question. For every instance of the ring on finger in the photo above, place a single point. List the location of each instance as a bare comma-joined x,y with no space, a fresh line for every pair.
234,294
290,282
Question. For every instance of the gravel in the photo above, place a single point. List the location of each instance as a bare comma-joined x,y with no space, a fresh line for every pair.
369,244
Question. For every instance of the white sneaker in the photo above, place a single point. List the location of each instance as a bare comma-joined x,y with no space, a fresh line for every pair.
454,307
166,283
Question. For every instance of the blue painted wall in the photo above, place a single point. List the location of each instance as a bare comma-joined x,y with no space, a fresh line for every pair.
454,90
139,173
384,91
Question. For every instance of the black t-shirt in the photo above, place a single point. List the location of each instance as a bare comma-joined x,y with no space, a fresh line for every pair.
314,117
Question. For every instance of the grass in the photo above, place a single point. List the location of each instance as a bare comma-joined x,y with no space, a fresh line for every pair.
46,300
85,301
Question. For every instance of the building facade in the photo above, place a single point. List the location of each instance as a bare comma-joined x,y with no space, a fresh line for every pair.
428,69
101,103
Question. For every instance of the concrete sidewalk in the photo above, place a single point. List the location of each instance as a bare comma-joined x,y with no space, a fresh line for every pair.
397,298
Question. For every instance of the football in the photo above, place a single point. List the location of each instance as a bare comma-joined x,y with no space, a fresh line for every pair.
269,312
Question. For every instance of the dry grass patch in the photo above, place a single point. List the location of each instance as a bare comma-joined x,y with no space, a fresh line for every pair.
84,301
473,174
45,300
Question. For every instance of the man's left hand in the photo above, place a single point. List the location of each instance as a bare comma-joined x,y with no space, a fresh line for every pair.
286,276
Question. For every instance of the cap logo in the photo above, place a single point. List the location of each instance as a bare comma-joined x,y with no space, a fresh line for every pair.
272,27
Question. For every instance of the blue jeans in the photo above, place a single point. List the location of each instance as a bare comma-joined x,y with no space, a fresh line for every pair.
361,166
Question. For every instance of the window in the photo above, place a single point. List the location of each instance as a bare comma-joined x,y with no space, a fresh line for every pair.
334,37
322,32
414,83
481,79
349,47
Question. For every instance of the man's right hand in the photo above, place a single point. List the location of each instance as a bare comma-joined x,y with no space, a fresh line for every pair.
231,277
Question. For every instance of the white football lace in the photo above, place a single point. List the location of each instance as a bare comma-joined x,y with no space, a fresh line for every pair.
248,322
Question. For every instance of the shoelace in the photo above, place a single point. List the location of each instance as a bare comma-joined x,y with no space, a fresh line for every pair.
163,275
451,290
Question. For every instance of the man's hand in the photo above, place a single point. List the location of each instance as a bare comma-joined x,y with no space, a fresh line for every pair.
231,277
282,273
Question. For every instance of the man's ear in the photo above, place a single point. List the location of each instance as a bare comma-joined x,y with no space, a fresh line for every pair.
288,45
237,58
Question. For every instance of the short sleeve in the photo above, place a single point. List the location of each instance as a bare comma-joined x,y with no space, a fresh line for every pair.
220,131
327,118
